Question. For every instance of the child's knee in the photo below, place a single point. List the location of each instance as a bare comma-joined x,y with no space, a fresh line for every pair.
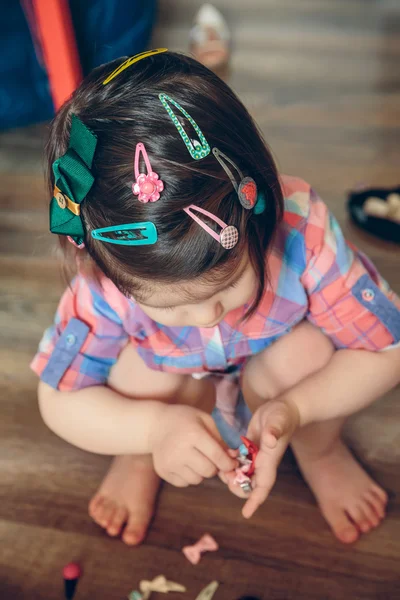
131,377
315,349
292,358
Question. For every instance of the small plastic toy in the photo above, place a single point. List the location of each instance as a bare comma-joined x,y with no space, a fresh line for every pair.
160,584
208,592
71,574
205,544
248,451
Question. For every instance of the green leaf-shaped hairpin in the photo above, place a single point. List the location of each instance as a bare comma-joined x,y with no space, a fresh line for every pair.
73,181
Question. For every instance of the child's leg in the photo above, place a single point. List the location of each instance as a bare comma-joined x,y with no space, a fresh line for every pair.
349,500
128,492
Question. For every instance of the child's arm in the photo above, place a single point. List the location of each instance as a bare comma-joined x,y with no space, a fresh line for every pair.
181,438
99,420
352,380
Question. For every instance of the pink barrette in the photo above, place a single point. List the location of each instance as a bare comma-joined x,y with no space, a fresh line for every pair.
228,236
147,185
205,544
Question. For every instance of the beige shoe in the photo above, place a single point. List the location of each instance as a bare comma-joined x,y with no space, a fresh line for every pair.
210,38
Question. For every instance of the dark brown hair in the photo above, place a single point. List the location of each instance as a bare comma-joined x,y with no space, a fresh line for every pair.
127,111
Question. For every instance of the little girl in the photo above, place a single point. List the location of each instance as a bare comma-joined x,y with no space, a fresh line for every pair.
199,269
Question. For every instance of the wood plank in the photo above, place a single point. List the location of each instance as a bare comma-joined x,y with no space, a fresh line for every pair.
321,78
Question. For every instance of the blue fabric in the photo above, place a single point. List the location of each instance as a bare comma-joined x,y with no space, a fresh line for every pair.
104,31
66,349
24,88
231,435
371,297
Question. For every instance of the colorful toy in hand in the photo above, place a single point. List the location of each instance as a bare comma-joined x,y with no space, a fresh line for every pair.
248,451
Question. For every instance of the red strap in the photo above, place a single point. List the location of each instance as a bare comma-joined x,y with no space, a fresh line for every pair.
60,52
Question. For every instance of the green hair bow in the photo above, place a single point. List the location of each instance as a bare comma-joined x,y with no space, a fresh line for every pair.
73,181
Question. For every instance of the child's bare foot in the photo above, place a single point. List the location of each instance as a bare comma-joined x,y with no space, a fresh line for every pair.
349,499
126,497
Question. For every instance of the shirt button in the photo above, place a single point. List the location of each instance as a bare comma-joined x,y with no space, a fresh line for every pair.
368,295
70,339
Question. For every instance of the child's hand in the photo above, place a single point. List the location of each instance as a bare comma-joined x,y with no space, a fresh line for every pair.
187,446
271,428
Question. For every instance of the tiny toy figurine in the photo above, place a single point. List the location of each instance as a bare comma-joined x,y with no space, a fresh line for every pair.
160,584
208,592
248,451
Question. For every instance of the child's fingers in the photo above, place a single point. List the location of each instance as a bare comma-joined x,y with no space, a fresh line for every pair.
213,447
228,479
176,480
222,477
216,453
257,497
201,464
190,476
276,423
270,438
263,480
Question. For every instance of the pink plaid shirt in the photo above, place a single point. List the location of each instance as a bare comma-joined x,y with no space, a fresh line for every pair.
314,274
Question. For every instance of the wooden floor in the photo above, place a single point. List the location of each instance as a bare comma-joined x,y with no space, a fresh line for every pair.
322,78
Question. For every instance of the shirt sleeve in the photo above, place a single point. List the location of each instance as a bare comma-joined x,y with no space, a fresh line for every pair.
84,342
347,298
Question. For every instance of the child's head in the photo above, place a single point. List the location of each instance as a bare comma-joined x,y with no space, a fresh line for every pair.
183,273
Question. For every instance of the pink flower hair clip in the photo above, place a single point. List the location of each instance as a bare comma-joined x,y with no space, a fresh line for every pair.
147,185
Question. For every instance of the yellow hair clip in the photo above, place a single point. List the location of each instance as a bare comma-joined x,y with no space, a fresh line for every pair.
130,61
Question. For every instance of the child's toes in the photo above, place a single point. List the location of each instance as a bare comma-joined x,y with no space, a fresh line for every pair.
134,532
106,513
94,505
380,495
375,502
119,518
341,524
360,517
371,514
97,510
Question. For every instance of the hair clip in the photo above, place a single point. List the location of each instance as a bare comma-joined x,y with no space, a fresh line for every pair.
73,180
247,188
205,544
147,186
130,61
74,243
129,234
228,236
198,150
260,204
